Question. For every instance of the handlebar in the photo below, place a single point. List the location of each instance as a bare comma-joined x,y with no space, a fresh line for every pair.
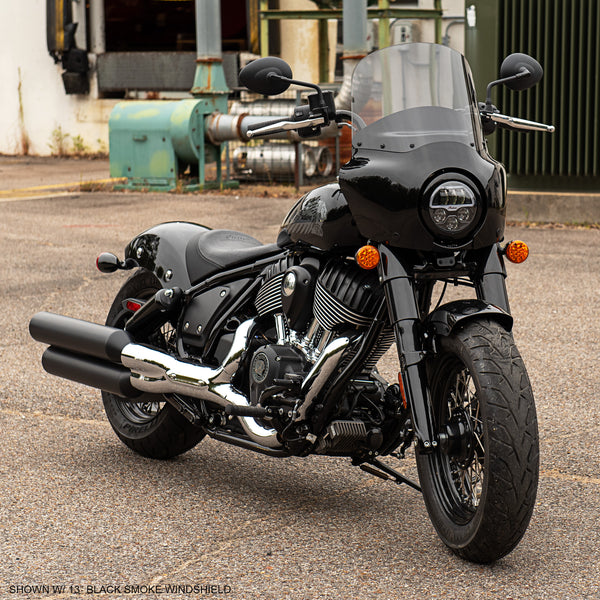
279,126
516,123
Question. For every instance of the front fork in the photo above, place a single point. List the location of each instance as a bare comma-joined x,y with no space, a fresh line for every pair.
404,316
403,310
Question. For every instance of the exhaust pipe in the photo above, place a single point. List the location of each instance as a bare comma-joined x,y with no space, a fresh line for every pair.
89,371
80,351
79,337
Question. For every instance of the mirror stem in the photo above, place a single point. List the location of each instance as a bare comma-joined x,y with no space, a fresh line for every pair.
313,86
523,72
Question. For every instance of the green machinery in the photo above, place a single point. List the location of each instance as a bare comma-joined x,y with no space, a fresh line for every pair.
153,143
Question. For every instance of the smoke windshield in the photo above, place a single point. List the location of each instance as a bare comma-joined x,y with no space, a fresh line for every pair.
410,95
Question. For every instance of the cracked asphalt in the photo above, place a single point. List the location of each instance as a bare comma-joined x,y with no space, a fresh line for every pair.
79,510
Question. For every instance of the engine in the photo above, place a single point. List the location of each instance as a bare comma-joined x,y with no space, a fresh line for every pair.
319,304
311,306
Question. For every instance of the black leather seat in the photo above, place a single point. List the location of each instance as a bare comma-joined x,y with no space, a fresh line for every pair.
217,249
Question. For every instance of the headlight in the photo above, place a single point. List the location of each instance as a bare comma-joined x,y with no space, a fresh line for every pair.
453,207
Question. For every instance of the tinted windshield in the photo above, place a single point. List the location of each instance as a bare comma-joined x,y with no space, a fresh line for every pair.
411,95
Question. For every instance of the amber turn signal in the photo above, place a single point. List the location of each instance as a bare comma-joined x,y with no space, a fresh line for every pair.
517,251
367,257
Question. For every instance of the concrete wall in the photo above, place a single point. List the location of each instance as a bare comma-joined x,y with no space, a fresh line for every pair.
36,113
452,8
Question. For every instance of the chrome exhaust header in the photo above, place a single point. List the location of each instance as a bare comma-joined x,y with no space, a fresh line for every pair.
156,372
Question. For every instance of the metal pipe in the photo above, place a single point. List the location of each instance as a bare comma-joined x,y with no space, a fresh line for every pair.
208,29
225,127
355,47
264,108
160,373
97,27
222,128
272,160
80,337
157,372
355,27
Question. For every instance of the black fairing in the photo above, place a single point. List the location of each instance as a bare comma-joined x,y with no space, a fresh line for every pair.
322,219
388,194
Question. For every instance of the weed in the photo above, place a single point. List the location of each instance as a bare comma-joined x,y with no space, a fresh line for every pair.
58,143
79,146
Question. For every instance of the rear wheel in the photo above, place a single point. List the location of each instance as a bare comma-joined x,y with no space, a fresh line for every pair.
480,485
151,426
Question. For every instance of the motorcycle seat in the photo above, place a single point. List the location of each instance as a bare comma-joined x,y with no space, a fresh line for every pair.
214,250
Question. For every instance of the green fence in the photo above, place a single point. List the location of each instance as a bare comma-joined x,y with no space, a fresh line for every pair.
563,36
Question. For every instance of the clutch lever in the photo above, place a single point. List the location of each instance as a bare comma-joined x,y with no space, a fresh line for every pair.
285,126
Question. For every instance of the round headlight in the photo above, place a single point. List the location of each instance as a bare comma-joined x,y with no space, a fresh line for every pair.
453,207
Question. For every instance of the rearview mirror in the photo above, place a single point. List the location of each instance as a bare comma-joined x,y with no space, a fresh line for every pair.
521,70
268,76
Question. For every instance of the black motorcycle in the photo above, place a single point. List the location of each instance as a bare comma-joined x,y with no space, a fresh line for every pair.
274,348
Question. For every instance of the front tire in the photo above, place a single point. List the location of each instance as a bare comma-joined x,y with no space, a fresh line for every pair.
480,486
151,426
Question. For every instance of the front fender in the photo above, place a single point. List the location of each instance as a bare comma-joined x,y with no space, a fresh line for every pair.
161,249
447,317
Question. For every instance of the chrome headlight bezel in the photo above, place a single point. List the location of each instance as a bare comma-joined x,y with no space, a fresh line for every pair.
453,208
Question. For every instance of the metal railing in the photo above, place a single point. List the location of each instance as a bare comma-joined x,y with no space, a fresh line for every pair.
384,12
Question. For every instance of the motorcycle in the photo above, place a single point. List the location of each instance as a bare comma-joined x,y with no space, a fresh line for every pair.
274,348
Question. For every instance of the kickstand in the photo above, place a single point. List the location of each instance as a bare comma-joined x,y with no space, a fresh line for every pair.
379,469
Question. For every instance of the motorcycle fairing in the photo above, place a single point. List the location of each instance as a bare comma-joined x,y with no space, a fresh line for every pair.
388,194
417,126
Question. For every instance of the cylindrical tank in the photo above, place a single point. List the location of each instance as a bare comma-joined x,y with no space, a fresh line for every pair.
272,161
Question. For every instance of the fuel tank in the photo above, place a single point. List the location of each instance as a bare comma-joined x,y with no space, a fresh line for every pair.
322,219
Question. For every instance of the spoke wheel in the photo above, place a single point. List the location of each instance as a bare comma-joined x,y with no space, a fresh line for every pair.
480,484
461,462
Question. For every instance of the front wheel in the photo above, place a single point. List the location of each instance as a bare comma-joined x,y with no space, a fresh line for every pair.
480,485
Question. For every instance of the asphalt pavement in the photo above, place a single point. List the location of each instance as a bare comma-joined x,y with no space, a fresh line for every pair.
84,517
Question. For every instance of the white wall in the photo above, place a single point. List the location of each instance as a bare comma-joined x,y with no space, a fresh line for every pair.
30,120
451,8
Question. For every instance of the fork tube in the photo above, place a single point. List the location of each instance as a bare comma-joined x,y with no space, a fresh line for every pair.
404,315
490,284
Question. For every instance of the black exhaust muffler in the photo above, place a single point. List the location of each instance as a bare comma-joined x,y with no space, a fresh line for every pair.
84,352
90,371
79,337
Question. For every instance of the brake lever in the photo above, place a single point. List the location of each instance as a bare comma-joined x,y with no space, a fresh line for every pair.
285,126
516,123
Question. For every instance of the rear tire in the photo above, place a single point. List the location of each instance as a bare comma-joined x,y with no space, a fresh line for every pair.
151,426
480,487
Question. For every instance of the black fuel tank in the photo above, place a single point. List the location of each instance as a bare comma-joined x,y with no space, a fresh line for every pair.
322,219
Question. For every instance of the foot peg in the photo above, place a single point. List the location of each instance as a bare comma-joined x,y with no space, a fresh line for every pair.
381,470
258,412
